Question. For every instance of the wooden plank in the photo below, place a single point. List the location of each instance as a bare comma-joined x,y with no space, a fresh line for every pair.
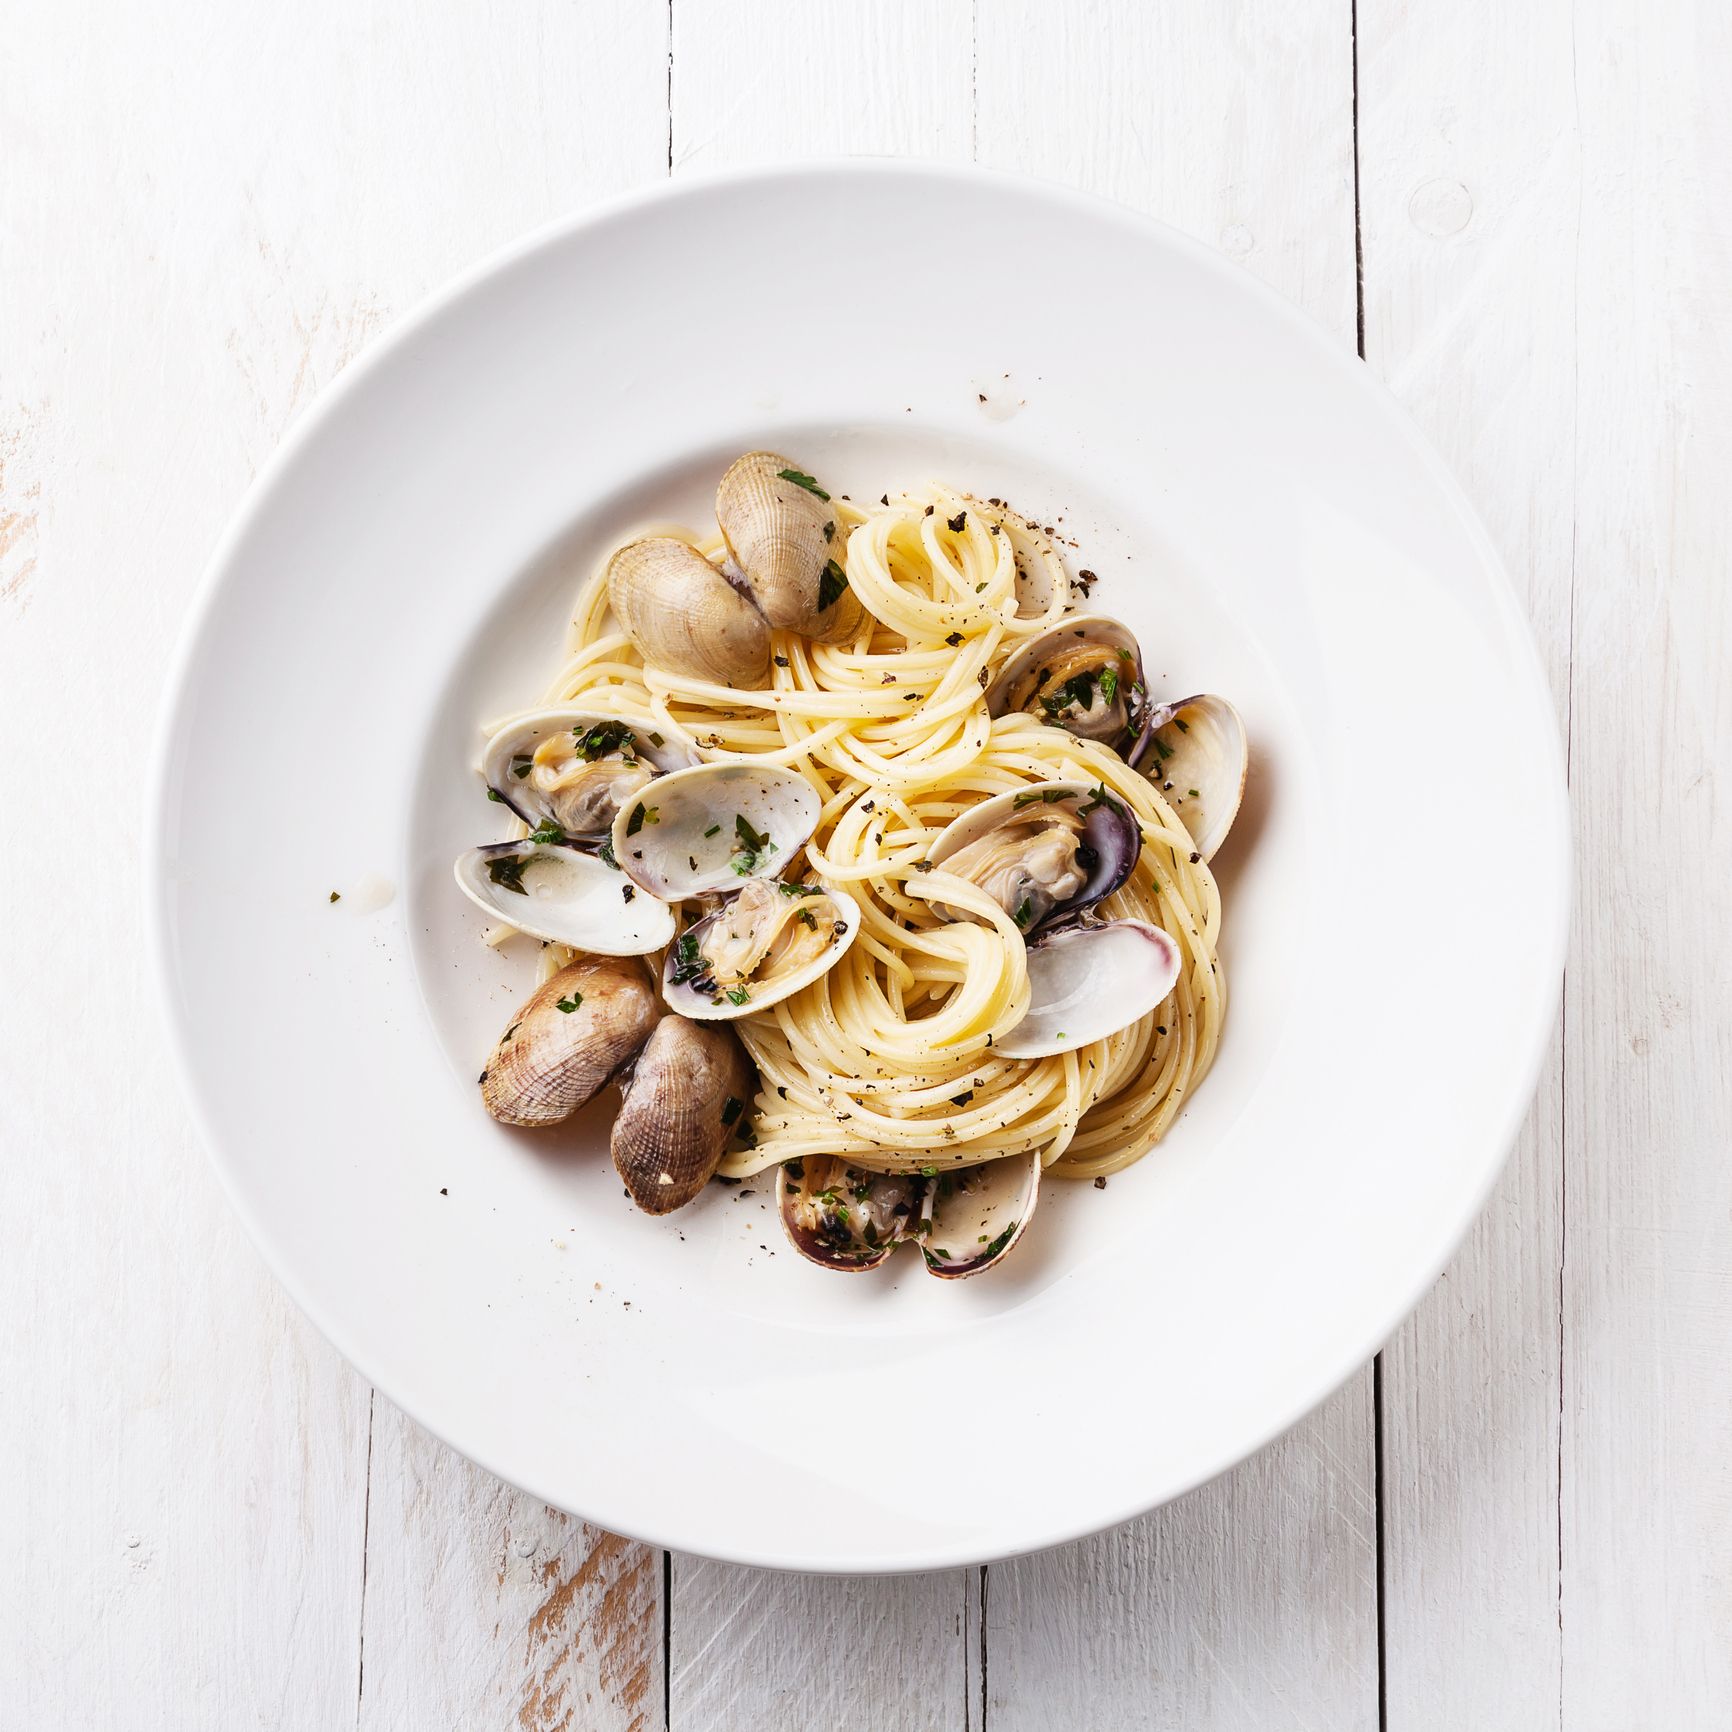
1253,1601
207,211
758,80
751,82
1249,1603
1647,1376
1469,192
486,1608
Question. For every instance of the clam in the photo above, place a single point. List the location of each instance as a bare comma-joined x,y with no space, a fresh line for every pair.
1196,752
784,543
560,893
572,1036
1087,982
572,769
683,1098
1043,852
964,1220
1047,854
1085,675
685,616
700,831
766,942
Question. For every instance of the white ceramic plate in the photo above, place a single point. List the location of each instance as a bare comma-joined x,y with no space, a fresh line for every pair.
1256,507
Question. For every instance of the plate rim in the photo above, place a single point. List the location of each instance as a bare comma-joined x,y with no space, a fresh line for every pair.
1553,931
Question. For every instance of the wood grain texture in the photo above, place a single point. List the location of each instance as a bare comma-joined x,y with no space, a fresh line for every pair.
484,1607
206,211
1470,197
771,1652
761,80
1252,1602
1647,1374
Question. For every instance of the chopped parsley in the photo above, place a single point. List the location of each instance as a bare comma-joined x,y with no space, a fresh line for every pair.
714,830
521,765
753,846
547,833
607,854
691,967
806,918
1098,796
805,481
1024,913
604,737
1039,797
832,580
789,888
1109,684
494,794
568,1005
507,872
641,815
738,995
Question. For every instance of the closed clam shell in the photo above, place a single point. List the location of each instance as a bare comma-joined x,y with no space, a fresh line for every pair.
549,1061
782,534
684,1098
684,616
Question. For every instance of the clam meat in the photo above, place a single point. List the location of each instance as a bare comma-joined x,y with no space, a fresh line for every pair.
1084,675
570,770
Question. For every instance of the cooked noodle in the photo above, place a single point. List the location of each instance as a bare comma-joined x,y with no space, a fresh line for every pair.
887,1060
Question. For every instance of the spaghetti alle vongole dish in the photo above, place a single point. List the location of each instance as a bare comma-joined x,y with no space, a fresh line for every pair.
857,851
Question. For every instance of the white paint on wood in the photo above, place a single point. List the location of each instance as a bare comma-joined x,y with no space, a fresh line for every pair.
1647,1489
487,1608
790,1653
1251,1603
1470,195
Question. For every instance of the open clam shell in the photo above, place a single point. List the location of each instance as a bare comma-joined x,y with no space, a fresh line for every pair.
575,768
699,832
1047,853
787,547
684,615
843,1217
1086,982
765,943
973,1216
1085,675
683,1097
1197,753
964,1219
554,891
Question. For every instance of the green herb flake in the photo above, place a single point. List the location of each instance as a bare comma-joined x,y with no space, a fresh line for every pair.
568,1005
521,766
790,888
738,995
929,1172
1023,914
604,737
507,872
495,795
1181,724
806,918
832,580
547,833
714,830
640,815
1109,685
805,481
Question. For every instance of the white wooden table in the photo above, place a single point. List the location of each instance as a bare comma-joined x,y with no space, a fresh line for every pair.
1521,1516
